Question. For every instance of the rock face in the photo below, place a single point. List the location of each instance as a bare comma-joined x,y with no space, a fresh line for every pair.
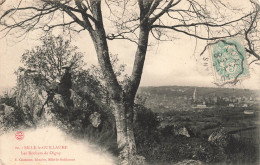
29,96
43,102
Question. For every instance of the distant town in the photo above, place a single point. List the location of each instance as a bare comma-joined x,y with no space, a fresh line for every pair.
184,98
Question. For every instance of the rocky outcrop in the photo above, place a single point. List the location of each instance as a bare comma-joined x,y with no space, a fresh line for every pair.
77,100
181,131
176,130
48,115
219,138
43,102
58,100
95,119
6,110
29,96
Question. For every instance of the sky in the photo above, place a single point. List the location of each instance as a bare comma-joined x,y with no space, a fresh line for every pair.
168,63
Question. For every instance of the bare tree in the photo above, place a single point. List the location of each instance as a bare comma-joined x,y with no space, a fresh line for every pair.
249,31
252,34
134,21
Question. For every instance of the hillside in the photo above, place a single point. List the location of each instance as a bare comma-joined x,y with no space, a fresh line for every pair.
181,97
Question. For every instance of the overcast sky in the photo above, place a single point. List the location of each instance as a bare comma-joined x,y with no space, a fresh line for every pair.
169,63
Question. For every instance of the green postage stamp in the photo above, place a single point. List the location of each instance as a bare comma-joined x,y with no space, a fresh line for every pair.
229,61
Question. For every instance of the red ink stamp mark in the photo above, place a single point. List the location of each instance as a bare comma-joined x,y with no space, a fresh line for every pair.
19,135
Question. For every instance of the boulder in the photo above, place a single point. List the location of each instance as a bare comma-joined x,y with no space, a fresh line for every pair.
219,138
48,115
77,100
181,131
6,110
95,119
57,98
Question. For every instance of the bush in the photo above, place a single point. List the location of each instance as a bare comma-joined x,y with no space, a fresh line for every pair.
161,146
177,148
13,117
145,127
14,120
7,100
242,151
76,123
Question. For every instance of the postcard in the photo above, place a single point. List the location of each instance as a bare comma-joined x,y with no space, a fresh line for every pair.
129,82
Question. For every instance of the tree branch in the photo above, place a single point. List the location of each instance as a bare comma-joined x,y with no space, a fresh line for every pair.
193,35
68,10
208,23
100,43
170,4
85,16
250,48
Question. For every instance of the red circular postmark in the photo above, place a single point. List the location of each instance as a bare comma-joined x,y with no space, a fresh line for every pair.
19,135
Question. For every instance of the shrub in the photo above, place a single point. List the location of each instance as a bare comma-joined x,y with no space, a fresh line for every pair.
177,148
8,100
242,151
145,126
13,120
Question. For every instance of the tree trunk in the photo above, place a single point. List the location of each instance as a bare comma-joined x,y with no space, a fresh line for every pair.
123,112
123,107
122,100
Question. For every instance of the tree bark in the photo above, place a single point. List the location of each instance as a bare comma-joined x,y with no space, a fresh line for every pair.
122,100
121,106
125,132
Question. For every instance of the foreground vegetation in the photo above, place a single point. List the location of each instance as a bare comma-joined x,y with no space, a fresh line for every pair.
157,140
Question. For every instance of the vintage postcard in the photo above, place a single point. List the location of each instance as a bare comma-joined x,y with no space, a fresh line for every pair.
129,82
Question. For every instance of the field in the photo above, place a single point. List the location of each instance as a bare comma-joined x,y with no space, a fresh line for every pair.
175,106
204,122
